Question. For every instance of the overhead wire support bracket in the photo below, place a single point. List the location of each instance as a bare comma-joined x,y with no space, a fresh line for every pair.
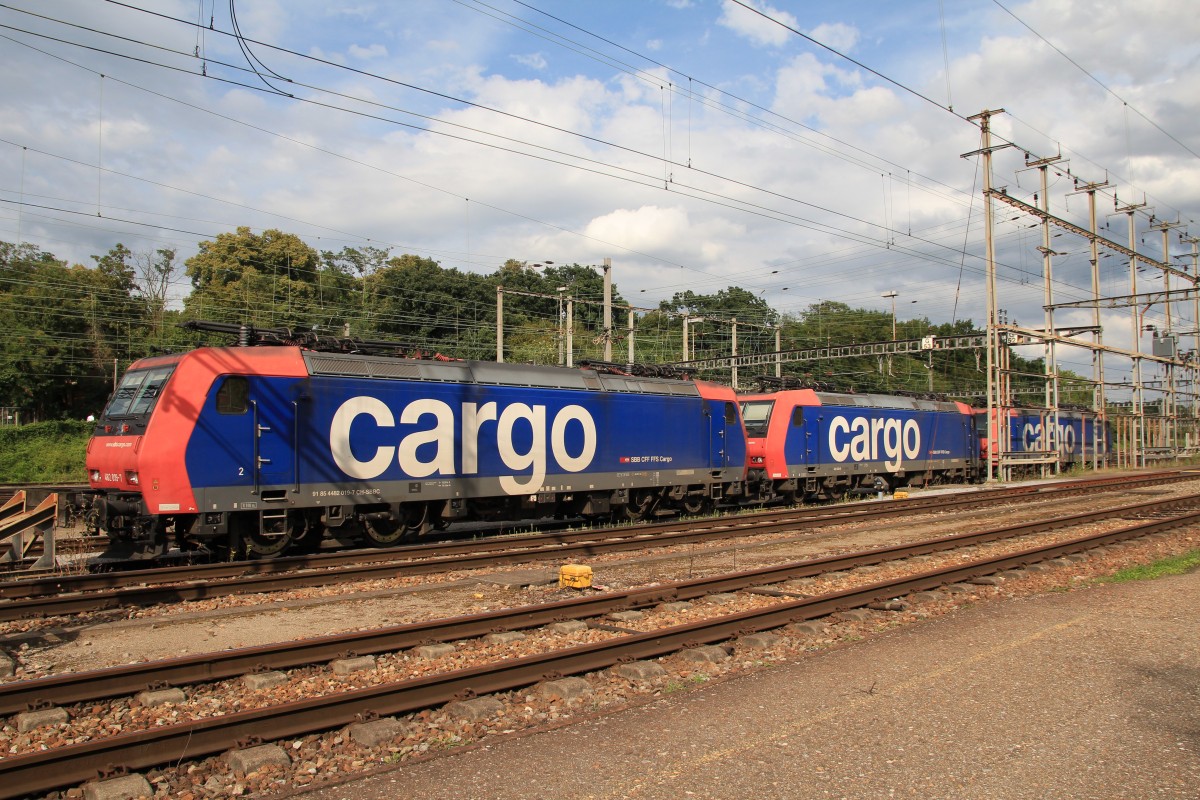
1127,300
830,352
1032,210
983,150
1016,336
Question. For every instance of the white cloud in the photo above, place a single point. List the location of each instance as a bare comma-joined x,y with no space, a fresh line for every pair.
317,52
645,228
755,27
373,51
668,231
839,36
413,196
363,13
532,60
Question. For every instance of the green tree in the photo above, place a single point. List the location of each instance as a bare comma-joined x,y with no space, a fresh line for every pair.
66,328
272,279
711,327
155,273
342,285
536,304
417,301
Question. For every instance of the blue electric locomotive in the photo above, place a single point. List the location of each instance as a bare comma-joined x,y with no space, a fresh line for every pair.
267,448
1070,438
804,444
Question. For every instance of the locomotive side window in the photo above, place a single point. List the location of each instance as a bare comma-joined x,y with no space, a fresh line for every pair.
798,415
234,396
730,414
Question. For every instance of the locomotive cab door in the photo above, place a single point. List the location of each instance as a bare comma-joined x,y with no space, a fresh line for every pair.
273,433
260,431
725,428
798,444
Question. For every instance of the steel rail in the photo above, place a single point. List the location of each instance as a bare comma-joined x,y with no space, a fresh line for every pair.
58,584
41,771
55,585
204,667
482,555
50,585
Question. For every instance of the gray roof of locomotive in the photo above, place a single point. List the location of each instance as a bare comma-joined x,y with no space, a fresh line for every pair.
884,401
489,373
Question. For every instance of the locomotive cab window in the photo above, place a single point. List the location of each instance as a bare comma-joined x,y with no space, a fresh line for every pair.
756,414
798,415
137,392
234,395
730,414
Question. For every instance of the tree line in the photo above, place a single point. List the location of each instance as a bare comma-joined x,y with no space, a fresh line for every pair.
70,329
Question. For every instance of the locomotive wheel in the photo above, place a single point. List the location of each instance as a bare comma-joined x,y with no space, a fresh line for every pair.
255,544
695,504
642,503
382,532
259,546
836,494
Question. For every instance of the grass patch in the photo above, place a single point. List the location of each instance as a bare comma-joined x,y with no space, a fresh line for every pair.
1175,565
44,452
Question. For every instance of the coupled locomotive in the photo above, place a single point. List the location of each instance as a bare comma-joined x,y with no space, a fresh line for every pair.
288,441
258,450
1069,438
808,445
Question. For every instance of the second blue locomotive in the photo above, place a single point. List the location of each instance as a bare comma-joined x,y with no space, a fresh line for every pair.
809,445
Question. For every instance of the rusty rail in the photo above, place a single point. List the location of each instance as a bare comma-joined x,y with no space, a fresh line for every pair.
38,772
53,585
51,596
116,681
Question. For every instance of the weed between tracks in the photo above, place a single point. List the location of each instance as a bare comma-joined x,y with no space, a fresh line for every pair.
1174,565
675,686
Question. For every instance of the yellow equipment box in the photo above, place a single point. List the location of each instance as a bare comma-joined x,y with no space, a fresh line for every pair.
900,495
576,576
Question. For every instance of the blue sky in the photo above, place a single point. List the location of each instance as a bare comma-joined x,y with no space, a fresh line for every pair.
778,166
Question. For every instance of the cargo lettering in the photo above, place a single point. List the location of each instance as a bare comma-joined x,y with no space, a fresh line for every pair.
431,450
863,439
1061,438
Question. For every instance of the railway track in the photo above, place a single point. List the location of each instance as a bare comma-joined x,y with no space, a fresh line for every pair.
42,771
19,571
194,569
84,593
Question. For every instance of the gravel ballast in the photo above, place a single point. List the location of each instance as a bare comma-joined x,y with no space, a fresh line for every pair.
1090,693
407,744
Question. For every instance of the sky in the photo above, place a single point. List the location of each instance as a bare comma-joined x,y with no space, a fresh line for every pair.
811,152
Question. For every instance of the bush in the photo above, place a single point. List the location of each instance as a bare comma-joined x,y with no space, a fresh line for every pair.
45,452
